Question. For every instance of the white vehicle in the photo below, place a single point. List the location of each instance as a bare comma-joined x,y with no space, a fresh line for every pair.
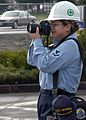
15,18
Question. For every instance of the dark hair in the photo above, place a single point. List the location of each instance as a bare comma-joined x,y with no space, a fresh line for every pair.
74,25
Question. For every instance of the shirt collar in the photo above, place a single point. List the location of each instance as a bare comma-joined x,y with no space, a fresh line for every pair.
56,40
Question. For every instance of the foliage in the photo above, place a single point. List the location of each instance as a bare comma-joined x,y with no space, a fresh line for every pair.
14,68
82,2
82,39
15,59
40,16
47,41
73,1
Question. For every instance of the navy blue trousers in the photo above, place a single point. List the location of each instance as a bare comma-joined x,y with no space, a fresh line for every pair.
44,105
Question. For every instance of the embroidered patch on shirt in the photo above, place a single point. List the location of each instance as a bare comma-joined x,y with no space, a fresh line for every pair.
56,53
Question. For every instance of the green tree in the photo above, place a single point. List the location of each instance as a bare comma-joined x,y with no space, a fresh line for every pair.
73,1
82,2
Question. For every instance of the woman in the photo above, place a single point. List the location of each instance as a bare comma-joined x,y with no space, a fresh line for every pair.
65,58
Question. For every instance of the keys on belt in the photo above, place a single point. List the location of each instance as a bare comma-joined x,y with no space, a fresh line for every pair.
48,91
56,92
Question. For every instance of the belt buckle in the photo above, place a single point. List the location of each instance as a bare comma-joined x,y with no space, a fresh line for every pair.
54,91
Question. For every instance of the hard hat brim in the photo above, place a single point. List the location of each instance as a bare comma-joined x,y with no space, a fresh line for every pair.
54,19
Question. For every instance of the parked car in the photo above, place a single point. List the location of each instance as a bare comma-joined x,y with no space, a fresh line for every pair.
15,18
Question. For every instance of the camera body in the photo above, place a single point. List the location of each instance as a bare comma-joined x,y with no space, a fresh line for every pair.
44,27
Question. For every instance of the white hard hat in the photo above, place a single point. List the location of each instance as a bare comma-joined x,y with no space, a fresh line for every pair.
64,10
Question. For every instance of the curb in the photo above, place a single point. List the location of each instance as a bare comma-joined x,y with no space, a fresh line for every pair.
28,88
19,88
82,85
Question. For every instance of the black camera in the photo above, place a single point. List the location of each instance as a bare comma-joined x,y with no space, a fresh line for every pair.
44,27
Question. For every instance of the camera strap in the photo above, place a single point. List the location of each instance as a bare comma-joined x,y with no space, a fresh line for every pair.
55,75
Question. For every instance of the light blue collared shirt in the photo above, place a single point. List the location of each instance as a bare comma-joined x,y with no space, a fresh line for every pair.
65,58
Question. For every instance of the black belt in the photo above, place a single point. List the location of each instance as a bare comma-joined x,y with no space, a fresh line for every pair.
58,91
46,91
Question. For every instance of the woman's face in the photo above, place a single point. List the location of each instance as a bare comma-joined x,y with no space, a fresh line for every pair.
58,30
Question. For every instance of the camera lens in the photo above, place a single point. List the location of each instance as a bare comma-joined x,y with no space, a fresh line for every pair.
31,27
45,28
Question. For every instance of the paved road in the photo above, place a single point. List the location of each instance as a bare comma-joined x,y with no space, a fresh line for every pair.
21,106
9,30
